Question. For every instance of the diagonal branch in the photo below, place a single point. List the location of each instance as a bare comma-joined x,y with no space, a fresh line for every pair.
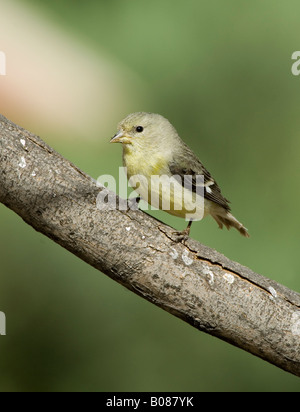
191,281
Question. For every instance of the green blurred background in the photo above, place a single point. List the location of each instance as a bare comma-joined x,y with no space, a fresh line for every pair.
221,73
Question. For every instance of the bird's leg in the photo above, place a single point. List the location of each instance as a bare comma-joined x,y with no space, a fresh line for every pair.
133,204
183,236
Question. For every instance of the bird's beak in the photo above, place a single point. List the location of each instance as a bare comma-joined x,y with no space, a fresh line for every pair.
121,137
117,137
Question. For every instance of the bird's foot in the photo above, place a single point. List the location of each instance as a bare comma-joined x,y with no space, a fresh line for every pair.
133,204
182,236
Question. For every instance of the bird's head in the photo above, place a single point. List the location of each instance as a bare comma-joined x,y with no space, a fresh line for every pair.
144,130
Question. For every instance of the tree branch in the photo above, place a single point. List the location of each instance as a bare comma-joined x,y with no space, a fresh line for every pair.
191,281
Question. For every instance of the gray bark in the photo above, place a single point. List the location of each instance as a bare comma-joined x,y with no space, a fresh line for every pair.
191,281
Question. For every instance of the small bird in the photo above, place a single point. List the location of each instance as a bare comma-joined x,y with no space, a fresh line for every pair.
152,147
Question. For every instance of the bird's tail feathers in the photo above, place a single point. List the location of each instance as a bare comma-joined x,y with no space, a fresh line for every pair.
223,217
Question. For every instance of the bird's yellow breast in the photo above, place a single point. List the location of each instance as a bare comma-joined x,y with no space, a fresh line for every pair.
162,195
137,164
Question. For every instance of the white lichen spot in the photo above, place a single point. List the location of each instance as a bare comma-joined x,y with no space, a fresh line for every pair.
228,277
23,142
22,162
186,259
173,253
295,323
273,293
128,228
209,274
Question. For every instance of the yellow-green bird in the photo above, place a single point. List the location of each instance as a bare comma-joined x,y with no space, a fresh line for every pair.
152,147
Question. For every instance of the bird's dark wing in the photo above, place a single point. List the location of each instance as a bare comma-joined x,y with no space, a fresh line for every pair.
187,164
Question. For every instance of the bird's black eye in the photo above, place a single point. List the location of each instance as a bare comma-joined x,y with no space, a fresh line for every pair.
139,129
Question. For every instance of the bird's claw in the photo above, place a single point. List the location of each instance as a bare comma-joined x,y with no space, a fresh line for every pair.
133,204
182,236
